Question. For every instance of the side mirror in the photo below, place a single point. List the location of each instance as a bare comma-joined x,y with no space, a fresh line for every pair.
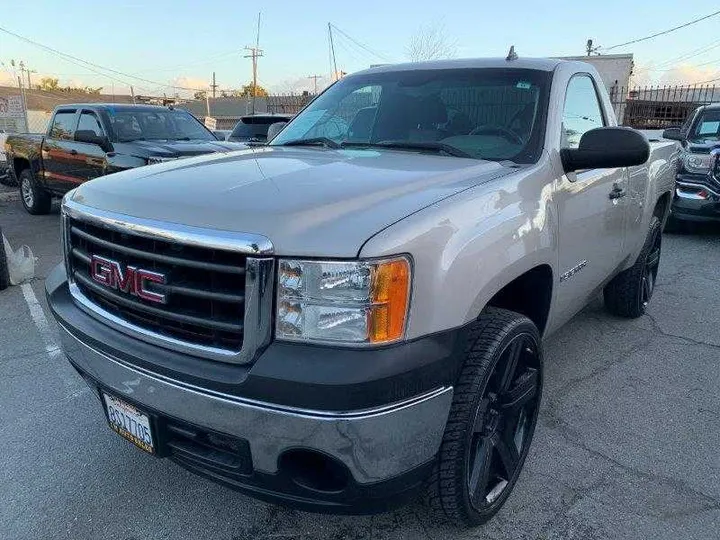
606,148
673,133
90,137
274,129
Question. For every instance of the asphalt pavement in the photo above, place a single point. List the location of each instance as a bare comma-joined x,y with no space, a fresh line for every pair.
626,446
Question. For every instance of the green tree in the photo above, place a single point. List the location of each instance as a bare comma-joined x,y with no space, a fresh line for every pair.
200,94
49,84
247,91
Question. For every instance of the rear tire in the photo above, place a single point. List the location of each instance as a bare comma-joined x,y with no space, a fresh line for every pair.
629,293
492,419
34,198
7,179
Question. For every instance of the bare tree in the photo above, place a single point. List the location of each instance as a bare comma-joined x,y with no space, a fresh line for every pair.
431,42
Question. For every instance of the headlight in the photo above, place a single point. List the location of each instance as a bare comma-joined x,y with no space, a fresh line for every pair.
352,302
697,163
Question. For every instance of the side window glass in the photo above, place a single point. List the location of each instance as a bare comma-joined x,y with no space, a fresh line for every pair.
582,111
89,122
63,125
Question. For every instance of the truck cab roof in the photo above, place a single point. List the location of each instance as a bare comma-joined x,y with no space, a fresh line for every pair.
541,64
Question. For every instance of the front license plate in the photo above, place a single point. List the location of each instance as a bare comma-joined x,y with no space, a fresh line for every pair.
129,422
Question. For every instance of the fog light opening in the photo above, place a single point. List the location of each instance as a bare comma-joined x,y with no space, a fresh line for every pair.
314,470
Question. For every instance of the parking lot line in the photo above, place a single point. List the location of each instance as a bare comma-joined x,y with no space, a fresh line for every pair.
41,322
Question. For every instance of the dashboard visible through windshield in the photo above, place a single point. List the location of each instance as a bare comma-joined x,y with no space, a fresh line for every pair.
482,113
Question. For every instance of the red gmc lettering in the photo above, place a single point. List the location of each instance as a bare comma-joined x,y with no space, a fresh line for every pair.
132,280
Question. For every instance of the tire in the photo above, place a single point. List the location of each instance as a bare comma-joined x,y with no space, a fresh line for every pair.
7,179
479,462
4,275
629,293
34,198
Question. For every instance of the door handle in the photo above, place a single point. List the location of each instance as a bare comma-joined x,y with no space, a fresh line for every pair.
73,152
617,192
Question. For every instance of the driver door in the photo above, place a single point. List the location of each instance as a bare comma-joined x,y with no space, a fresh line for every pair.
591,215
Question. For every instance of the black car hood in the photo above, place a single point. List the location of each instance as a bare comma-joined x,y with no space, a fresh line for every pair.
173,149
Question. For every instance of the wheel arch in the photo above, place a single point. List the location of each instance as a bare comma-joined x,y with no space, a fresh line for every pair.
662,207
529,293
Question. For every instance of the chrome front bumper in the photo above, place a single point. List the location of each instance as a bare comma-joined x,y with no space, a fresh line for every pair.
375,444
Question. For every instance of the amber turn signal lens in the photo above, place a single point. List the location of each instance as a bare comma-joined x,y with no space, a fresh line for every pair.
390,296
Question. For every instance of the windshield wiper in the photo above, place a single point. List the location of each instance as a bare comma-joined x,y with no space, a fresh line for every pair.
324,141
413,145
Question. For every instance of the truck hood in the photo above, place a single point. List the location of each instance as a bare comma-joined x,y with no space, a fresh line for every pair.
174,149
307,201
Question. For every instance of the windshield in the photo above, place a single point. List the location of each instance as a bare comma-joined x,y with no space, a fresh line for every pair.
707,126
254,128
141,125
487,113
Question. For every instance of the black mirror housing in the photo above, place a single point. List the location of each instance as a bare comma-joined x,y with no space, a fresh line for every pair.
673,133
90,137
606,148
274,129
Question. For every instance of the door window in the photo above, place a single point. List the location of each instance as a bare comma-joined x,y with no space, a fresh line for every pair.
63,125
582,111
89,122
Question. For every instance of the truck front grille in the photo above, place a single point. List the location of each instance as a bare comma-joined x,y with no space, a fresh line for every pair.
204,288
196,299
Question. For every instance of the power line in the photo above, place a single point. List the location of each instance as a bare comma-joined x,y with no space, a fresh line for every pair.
663,32
71,58
362,46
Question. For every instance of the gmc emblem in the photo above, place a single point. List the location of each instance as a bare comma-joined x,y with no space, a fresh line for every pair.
132,280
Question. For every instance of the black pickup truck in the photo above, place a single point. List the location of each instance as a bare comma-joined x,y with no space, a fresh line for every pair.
84,141
697,187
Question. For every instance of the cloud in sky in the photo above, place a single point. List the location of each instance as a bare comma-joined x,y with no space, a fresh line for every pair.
679,74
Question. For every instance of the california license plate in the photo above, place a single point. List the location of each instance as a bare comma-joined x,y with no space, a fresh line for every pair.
129,422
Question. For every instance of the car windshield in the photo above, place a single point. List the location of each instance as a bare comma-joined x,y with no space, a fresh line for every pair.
707,126
485,113
254,127
139,125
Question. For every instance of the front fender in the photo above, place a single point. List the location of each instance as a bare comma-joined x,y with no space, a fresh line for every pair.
469,246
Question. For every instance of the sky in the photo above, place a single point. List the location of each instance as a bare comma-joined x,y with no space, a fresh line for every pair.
180,43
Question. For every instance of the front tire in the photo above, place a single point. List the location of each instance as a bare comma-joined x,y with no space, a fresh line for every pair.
629,293
34,198
492,419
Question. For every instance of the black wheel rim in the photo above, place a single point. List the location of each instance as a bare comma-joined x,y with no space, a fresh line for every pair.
504,423
650,270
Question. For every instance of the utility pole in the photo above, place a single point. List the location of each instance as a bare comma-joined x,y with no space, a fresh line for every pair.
315,80
332,49
255,53
589,47
27,71
132,93
214,85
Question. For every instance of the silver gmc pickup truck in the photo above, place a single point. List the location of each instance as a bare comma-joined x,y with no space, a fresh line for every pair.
354,313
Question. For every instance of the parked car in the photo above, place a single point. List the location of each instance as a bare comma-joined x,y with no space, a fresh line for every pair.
254,128
697,188
85,141
356,312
